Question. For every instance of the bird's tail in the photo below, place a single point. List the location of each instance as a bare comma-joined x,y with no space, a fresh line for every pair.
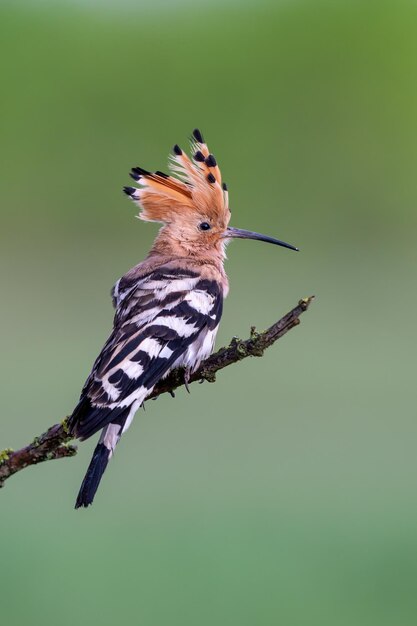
109,439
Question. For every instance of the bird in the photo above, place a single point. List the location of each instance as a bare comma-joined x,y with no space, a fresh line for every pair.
168,307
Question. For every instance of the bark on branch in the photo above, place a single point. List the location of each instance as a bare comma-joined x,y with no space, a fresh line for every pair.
54,443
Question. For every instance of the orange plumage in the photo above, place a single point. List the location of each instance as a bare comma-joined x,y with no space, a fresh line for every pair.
193,188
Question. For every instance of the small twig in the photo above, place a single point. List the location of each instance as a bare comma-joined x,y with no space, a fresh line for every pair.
53,444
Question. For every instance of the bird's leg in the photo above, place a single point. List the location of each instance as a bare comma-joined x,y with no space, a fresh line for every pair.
187,374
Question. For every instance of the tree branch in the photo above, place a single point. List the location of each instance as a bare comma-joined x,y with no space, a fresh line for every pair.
54,443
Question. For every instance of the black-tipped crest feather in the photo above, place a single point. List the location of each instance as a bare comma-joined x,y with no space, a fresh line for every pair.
198,136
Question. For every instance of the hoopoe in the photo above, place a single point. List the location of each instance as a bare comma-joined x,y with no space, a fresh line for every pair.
168,307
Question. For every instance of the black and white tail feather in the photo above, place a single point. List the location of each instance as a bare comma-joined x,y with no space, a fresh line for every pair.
164,319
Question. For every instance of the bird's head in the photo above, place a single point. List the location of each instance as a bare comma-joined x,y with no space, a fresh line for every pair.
193,204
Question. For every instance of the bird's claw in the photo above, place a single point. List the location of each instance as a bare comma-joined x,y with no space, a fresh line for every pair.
187,379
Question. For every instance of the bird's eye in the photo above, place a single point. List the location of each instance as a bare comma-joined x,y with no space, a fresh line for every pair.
204,226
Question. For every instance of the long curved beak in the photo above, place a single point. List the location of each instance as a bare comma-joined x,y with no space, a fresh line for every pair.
238,233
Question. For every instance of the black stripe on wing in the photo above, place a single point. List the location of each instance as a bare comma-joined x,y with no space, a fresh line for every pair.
87,418
162,334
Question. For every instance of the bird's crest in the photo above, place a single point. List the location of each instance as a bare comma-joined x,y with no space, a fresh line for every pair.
196,186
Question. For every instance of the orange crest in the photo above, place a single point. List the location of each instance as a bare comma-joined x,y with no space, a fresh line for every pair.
196,187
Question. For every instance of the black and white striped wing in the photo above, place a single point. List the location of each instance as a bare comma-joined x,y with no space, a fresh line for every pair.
166,319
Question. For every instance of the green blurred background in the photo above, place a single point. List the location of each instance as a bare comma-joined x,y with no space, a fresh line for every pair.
287,492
